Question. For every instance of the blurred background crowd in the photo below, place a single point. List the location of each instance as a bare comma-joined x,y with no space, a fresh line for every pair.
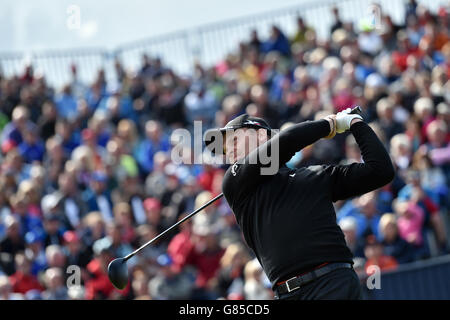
86,172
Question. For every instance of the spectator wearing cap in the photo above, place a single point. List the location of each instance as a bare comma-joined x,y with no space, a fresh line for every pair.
97,196
376,257
35,250
153,215
77,253
169,284
393,244
23,280
155,141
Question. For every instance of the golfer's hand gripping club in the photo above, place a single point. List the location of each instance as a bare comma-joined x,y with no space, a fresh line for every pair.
341,122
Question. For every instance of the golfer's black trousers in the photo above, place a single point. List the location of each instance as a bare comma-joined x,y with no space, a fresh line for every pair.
340,284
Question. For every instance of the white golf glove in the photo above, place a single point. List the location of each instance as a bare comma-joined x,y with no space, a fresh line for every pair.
344,119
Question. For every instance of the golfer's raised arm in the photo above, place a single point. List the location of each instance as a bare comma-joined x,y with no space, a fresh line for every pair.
358,178
291,141
249,172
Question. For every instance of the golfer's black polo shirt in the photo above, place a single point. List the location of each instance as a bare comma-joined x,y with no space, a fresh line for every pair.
288,218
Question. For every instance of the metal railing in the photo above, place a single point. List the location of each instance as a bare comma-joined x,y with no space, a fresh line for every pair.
207,44
421,280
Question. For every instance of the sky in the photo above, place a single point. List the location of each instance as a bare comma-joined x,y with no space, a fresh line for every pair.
49,24
29,27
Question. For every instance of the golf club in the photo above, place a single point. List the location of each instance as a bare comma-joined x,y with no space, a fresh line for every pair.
118,270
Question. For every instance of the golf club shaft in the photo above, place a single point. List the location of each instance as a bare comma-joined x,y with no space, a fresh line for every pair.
174,226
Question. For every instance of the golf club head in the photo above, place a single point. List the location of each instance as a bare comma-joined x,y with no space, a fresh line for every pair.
118,273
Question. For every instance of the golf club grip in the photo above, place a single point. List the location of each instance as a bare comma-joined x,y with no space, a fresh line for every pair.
356,110
172,227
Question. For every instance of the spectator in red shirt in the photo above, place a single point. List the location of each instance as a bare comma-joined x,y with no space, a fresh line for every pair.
405,49
22,280
205,256
181,245
99,286
376,257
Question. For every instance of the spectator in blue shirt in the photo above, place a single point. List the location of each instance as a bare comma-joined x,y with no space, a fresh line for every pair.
66,104
365,212
155,141
32,148
97,197
277,42
12,132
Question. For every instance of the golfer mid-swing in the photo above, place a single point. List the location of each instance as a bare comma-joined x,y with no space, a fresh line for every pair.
287,217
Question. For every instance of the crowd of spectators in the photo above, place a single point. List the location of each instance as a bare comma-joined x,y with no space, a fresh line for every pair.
87,176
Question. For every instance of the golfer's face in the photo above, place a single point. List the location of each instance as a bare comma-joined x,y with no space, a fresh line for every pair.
239,143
